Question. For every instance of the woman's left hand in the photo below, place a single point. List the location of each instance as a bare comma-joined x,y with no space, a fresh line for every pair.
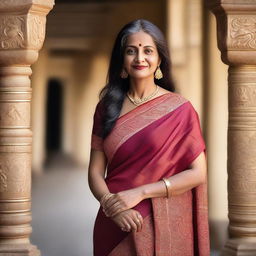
122,201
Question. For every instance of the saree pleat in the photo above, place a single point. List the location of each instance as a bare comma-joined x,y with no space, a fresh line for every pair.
158,139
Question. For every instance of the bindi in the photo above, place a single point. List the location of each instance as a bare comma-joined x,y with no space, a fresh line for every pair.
139,44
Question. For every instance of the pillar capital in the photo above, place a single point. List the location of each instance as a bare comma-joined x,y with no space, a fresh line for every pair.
235,30
22,30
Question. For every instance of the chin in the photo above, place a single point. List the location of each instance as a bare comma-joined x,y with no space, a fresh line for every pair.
140,76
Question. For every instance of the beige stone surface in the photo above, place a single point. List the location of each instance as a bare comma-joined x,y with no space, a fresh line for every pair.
235,40
22,30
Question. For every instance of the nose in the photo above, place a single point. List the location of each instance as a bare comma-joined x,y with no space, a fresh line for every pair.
140,56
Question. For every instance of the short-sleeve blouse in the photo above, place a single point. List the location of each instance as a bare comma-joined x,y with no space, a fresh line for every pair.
97,137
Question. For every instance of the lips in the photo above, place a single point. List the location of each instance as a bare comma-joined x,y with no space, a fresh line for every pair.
139,67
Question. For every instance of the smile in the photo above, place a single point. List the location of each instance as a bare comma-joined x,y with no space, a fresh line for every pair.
139,67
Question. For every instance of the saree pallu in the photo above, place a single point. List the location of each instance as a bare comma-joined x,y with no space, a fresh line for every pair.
157,139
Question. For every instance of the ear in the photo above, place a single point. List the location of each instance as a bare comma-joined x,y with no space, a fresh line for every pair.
159,62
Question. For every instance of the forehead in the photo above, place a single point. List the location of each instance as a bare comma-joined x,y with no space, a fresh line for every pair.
140,38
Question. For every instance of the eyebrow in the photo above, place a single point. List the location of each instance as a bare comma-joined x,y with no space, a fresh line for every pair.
133,46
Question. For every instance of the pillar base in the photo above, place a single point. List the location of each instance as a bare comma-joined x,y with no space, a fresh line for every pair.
240,247
19,250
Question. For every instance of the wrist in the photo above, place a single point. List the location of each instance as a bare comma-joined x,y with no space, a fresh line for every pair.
105,197
152,190
145,193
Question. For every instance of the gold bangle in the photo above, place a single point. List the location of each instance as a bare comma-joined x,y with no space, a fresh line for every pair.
105,197
168,186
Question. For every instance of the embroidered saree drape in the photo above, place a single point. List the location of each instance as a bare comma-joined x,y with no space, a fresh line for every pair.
157,139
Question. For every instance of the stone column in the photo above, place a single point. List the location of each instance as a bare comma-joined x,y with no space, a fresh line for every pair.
22,31
184,35
176,36
236,40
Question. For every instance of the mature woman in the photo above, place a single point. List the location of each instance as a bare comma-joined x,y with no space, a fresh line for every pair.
148,165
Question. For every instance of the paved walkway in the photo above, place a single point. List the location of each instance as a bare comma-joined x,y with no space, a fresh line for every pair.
63,210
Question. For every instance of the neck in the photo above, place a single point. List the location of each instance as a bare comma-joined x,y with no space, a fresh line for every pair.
140,88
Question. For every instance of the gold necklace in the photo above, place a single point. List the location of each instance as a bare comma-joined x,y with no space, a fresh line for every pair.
140,101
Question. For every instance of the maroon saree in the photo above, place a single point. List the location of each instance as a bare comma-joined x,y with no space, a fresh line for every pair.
157,139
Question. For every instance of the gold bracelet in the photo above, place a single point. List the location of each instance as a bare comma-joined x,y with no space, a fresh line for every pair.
105,197
168,186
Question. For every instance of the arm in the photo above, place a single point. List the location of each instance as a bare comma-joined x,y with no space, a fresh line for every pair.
180,183
96,173
127,220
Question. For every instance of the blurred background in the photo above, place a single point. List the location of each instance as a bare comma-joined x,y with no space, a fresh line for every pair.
66,81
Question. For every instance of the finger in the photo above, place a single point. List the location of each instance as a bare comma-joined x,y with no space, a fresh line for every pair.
137,221
125,226
140,219
139,224
133,224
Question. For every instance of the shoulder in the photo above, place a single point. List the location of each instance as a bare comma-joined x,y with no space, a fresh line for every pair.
172,95
176,99
99,107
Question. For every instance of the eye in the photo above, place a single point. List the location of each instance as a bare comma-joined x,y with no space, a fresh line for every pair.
148,51
130,51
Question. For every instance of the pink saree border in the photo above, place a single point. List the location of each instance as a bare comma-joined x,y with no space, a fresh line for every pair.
140,117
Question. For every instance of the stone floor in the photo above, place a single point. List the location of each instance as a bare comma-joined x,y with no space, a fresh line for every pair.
63,210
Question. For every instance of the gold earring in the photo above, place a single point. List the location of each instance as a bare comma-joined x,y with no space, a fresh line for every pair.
123,74
158,73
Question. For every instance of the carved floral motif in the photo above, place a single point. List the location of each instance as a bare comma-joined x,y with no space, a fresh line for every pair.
241,186
17,168
244,96
11,115
21,182
36,30
12,32
243,32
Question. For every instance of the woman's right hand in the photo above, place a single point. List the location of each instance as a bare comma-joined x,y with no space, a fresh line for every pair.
129,220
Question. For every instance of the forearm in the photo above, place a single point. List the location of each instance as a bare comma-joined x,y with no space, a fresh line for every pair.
180,183
97,185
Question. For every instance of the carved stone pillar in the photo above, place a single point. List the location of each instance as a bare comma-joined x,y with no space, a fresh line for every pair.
22,31
236,39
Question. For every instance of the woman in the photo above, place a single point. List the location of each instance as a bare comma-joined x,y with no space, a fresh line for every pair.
147,166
